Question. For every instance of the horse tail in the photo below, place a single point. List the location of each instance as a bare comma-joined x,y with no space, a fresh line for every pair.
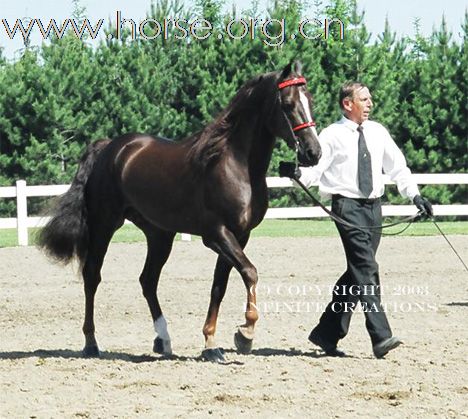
66,234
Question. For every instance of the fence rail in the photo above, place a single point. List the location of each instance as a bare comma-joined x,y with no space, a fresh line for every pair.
22,192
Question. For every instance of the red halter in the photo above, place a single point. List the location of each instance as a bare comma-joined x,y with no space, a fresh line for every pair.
298,81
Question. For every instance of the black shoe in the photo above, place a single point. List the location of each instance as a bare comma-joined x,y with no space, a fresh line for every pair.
383,348
328,348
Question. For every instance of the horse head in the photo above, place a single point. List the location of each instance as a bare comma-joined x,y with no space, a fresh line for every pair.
292,117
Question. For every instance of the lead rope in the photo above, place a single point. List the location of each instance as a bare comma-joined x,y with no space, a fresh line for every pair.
408,220
340,220
448,241
296,144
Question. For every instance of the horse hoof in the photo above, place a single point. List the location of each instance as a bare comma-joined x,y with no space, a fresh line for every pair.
243,344
213,355
91,352
162,346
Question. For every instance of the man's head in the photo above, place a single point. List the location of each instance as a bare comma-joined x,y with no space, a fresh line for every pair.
355,101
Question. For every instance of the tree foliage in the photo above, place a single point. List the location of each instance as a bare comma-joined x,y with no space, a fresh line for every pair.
57,98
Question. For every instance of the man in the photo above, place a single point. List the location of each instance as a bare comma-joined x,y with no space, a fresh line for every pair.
355,152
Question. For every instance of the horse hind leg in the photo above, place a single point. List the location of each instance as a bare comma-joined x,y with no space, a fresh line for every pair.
159,244
218,289
99,239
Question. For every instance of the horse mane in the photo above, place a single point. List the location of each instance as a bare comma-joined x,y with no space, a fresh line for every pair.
208,144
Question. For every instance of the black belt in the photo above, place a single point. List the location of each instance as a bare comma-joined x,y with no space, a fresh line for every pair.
360,200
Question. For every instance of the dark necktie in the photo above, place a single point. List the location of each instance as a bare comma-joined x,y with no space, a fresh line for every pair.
364,165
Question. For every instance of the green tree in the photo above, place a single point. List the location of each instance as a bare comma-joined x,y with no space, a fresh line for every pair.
57,98
431,116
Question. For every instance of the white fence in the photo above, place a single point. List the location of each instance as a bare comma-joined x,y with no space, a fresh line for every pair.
22,192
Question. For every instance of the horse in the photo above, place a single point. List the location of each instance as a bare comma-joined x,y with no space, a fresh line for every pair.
211,184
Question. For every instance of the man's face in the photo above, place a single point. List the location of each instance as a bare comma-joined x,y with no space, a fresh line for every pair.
358,108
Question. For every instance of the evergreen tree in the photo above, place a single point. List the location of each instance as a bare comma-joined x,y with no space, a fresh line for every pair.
430,111
57,98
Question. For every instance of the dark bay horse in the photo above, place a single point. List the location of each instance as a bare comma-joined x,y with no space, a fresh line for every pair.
210,184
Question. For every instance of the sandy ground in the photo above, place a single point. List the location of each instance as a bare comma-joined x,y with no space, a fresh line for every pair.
43,375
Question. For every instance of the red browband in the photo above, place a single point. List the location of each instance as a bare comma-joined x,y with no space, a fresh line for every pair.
304,125
291,82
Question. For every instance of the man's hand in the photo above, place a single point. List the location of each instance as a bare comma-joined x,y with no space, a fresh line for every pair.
423,205
288,169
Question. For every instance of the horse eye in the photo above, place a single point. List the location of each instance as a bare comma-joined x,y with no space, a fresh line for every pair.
288,106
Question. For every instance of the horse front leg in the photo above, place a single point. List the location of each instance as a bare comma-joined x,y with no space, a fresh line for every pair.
231,255
243,338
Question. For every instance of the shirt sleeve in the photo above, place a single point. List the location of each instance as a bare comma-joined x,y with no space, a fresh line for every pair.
311,175
394,165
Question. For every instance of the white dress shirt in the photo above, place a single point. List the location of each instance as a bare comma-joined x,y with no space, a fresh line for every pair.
336,172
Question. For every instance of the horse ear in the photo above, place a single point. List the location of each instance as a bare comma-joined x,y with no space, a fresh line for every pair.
297,67
286,70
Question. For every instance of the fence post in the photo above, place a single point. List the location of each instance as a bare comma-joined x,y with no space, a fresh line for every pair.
22,212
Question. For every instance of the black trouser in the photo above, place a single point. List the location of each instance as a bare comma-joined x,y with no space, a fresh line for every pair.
360,282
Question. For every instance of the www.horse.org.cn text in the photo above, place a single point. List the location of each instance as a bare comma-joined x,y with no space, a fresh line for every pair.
272,32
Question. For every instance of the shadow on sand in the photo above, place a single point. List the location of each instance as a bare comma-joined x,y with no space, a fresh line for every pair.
458,304
105,356
126,357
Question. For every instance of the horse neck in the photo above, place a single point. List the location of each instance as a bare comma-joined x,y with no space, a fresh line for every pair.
256,144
